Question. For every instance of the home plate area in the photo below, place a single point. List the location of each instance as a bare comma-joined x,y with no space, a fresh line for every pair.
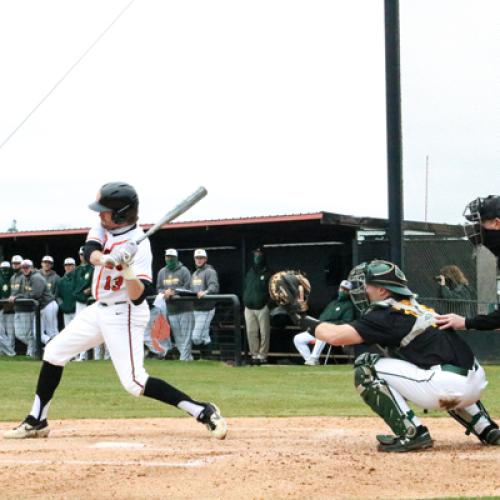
299,457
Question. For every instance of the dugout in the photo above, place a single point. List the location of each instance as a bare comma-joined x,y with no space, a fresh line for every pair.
324,245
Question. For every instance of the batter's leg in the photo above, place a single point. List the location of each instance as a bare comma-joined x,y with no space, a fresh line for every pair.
82,334
124,338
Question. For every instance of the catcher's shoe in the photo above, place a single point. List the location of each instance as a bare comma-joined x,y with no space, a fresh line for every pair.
213,421
29,428
399,444
491,435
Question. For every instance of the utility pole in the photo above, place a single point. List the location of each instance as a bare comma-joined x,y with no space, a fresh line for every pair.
426,187
394,140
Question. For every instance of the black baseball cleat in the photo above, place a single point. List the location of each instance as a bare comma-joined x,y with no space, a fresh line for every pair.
400,444
490,435
29,428
213,420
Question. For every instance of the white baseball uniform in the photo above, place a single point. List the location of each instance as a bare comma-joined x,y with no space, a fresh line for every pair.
113,318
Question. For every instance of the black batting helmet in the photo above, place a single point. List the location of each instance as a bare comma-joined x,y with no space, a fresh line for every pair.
119,198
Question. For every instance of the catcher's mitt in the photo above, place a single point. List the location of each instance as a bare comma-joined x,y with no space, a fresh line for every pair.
291,290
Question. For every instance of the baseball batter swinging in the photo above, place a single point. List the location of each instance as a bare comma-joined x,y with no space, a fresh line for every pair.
122,280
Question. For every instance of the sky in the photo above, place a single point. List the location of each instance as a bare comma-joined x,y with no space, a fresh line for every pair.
275,106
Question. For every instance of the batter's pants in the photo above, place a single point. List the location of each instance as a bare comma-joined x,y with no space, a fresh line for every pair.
120,326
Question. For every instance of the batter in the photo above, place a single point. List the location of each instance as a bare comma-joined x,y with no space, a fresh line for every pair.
121,282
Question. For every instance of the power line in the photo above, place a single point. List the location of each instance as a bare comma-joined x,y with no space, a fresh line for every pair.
65,75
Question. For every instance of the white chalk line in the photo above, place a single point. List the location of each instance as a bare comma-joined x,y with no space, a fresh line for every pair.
118,444
119,463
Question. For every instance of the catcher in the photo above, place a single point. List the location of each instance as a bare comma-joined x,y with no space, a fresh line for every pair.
431,368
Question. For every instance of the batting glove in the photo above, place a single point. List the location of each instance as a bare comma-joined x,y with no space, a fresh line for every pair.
125,253
109,261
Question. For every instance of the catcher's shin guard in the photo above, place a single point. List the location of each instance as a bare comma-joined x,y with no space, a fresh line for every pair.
489,435
377,394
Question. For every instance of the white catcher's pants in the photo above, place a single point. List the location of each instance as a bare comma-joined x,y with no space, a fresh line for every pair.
431,389
120,326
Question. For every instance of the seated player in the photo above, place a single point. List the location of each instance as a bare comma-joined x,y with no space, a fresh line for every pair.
338,311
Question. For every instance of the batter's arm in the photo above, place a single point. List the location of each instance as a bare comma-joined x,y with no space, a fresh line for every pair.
135,287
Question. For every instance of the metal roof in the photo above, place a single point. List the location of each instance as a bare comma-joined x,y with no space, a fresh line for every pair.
439,229
177,225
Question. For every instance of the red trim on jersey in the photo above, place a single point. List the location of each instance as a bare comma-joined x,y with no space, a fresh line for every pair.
106,251
97,283
130,349
110,249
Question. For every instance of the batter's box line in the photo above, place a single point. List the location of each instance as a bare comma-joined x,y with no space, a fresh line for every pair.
120,463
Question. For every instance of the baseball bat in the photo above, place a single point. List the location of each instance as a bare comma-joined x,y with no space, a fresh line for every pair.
177,211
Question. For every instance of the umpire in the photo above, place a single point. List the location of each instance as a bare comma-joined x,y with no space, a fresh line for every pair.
482,228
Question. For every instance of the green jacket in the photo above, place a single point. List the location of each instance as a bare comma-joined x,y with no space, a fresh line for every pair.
339,312
5,275
256,292
457,292
82,282
64,293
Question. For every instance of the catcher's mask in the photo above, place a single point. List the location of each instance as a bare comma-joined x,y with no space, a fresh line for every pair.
120,199
477,211
380,273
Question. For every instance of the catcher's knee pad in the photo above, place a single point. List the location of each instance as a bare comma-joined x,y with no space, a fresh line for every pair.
378,396
469,421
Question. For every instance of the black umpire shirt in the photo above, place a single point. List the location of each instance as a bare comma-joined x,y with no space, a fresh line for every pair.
484,321
388,326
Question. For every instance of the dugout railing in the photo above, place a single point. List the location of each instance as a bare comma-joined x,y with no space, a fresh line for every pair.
225,327
27,306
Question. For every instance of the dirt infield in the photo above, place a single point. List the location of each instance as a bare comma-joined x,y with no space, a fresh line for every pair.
261,458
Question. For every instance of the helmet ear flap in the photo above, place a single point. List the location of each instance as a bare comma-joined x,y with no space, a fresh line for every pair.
121,215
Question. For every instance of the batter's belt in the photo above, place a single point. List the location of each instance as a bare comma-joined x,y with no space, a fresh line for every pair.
108,304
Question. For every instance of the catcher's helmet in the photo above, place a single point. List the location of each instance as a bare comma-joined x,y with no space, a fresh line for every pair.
377,272
119,198
387,275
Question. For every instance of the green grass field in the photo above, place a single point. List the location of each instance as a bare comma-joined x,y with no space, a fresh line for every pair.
92,390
